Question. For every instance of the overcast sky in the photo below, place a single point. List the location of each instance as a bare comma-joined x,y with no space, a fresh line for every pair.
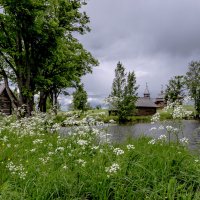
157,39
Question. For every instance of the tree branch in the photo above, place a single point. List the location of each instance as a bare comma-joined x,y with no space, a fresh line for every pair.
10,64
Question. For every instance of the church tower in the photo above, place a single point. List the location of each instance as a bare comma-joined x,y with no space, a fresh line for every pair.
146,92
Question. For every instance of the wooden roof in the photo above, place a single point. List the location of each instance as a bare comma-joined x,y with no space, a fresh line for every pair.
145,102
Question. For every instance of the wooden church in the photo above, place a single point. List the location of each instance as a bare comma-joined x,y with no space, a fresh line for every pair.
145,105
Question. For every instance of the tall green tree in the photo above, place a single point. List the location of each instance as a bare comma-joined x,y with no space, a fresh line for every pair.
65,70
193,83
124,93
80,98
119,82
34,38
175,90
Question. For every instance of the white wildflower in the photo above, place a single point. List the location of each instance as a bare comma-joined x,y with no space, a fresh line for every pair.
184,140
44,160
82,162
162,137
59,149
130,146
8,145
4,139
153,141
113,168
155,118
38,141
17,170
101,151
118,151
82,142
169,128
33,150
65,167
95,147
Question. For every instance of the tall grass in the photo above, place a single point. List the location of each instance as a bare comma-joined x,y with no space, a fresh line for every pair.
37,163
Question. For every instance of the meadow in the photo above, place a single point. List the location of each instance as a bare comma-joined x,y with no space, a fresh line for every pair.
37,163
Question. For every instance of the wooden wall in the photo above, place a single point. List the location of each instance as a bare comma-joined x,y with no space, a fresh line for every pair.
145,111
5,103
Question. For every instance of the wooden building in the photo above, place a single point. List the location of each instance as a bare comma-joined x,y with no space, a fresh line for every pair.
160,100
145,105
5,102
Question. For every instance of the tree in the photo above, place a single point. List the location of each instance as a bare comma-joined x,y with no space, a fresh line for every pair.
193,83
34,39
80,98
124,93
65,71
175,90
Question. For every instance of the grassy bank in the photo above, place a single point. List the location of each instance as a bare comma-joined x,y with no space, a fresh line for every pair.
102,115
36,163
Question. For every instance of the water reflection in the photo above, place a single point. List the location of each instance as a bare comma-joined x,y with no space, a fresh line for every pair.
191,130
119,133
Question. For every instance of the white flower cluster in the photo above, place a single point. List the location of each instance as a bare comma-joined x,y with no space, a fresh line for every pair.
4,139
59,149
118,151
184,141
38,141
82,142
153,141
81,162
44,160
112,169
55,127
35,125
17,170
155,118
130,146
89,120
162,137
169,128
178,111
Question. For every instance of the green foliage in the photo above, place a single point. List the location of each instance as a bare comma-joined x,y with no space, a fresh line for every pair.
36,164
37,44
80,98
123,95
175,89
193,83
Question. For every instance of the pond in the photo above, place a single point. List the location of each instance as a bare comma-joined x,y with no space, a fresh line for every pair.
119,133
191,130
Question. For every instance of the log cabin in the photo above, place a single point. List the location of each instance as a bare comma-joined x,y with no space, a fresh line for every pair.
5,102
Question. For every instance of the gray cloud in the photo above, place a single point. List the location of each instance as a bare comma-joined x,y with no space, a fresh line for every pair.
157,39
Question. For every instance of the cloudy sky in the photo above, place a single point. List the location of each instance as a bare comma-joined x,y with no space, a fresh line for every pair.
157,39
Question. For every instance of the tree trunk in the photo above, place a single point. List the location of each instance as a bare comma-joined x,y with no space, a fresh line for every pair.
43,101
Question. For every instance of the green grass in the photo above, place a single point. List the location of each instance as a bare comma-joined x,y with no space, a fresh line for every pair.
102,115
55,169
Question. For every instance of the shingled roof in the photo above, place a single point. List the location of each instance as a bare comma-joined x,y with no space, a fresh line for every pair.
145,102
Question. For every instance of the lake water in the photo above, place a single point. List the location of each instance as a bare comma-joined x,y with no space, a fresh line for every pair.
119,133
191,130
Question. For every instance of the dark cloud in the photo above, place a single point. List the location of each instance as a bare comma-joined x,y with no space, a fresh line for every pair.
157,39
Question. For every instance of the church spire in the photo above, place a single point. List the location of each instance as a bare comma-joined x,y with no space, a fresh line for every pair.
146,92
